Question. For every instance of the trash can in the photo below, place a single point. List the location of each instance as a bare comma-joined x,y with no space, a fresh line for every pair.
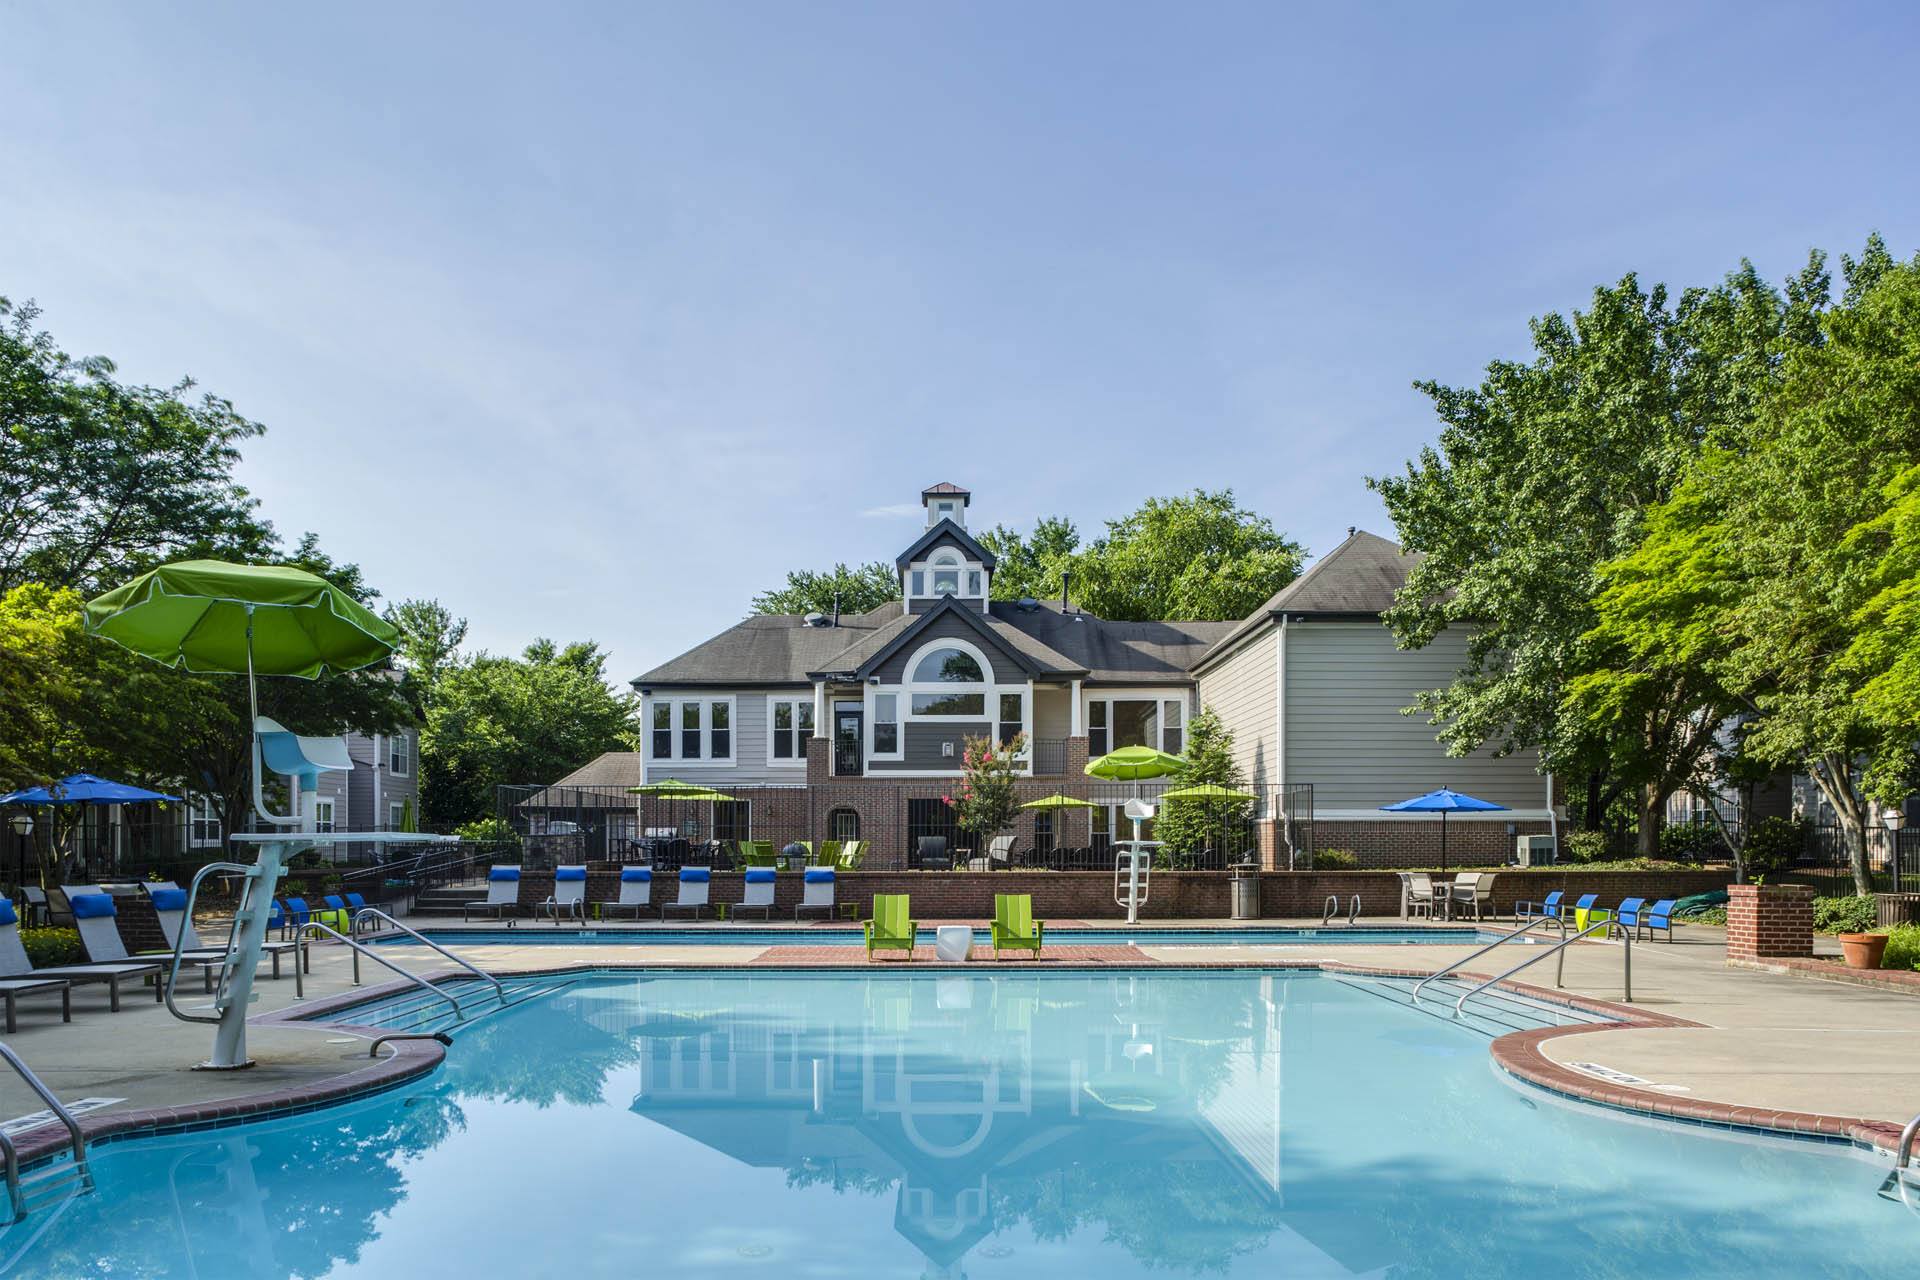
1246,892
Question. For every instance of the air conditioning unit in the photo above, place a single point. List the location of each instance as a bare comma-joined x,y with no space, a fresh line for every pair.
1533,851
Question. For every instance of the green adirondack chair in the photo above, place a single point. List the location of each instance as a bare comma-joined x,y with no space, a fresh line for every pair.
759,853
892,928
1013,924
850,854
826,855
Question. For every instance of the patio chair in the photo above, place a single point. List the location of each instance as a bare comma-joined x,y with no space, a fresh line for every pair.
15,964
1471,891
1635,916
1419,894
892,927
337,914
816,891
11,989
170,907
850,854
1014,927
1548,908
59,909
694,884
569,896
759,892
298,914
96,919
999,851
759,853
1586,914
827,855
636,892
356,903
36,900
930,854
503,895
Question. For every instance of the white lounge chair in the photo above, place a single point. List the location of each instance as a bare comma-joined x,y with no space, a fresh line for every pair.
694,884
759,893
636,892
96,918
11,989
569,896
170,905
15,964
503,895
816,891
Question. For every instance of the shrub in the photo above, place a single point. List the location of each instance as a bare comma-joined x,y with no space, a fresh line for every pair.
488,831
1851,914
1336,860
1903,947
1584,846
52,946
1772,846
1691,842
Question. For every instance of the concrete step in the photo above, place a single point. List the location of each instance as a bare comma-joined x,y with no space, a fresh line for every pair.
448,901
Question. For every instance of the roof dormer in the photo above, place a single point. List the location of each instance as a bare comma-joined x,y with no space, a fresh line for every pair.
945,501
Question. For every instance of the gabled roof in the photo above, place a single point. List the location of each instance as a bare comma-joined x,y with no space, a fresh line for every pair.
945,529
768,649
945,490
1357,579
862,658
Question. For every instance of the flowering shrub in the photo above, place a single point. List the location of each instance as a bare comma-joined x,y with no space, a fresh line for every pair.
984,803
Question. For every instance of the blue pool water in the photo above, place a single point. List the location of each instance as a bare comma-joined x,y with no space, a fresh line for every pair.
534,934
1019,1125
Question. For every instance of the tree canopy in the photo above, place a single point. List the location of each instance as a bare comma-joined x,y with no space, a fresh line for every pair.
859,588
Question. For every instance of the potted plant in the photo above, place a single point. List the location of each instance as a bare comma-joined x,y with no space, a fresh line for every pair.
1863,950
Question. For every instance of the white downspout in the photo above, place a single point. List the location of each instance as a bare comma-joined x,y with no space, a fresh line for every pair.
1280,732
1553,820
1074,718
374,825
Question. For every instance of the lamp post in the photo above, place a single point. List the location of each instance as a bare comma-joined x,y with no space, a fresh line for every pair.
1893,820
22,824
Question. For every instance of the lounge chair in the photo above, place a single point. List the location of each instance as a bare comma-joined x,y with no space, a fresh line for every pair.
14,963
298,916
827,855
1014,927
356,904
1419,894
636,892
1636,916
38,912
96,919
503,895
569,896
758,853
892,927
170,906
12,988
1585,914
930,854
759,892
1548,908
338,913
816,891
277,918
694,885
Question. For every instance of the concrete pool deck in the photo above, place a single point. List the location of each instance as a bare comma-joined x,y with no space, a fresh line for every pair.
1734,1045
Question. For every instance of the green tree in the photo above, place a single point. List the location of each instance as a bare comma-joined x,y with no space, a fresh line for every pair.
860,589
1542,475
498,721
1185,827
1031,565
985,801
1884,652
1195,556
430,640
99,479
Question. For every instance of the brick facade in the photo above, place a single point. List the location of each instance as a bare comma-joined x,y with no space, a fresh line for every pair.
1471,842
1769,920
1175,895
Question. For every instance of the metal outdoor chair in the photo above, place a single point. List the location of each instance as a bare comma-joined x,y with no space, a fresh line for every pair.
931,854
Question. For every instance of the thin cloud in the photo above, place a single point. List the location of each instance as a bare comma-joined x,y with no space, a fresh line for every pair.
892,510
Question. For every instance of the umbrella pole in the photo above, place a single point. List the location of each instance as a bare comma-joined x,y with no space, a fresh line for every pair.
1443,842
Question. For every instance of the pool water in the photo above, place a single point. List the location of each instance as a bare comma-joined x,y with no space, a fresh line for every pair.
535,934
1017,1125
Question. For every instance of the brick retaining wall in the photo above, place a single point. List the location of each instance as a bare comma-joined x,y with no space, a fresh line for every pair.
1175,895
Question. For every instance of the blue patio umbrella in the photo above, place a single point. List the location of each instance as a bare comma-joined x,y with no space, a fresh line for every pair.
1443,802
84,788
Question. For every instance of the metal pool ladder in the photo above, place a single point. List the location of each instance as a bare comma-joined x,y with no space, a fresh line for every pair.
1897,1185
57,1177
1557,949
307,930
1333,909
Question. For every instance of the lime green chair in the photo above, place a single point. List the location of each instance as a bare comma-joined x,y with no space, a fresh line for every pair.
759,853
1014,927
850,854
827,855
892,928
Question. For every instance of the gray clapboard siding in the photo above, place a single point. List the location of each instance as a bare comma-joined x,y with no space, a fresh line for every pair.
750,725
1346,688
1240,690
922,747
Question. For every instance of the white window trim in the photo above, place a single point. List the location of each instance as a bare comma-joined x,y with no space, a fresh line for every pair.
799,760
403,738
947,558
905,714
1143,694
332,820
870,711
706,758
396,814
197,803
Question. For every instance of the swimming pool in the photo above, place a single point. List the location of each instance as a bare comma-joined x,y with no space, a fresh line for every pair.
533,934
1012,1125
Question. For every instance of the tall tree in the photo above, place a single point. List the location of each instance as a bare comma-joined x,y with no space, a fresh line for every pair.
1194,556
430,640
1031,565
498,721
859,589
1187,826
1543,473
1884,653
100,479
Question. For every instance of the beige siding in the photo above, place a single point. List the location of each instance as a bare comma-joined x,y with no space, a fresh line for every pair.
1241,691
1346,687
1052,712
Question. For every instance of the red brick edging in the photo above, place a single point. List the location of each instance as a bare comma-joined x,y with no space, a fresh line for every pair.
1905,981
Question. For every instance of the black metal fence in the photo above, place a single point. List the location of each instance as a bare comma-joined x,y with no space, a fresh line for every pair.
1893,860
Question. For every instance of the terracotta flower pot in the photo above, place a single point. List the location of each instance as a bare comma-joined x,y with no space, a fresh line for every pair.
1863,950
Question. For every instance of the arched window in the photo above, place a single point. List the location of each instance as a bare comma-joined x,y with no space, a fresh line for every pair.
946,574
948,665
844,823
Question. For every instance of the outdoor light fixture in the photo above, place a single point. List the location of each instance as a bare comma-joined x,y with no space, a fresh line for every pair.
23,825
1892,819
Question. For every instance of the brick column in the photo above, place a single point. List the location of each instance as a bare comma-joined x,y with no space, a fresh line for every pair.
1769,920
1076,783
1272,849
819,761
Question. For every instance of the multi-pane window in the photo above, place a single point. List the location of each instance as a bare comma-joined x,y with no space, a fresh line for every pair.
396,815
663,730
948,666
1170,726
1012,717
720,730
844,824
203,823
1113,723
973,582
323,814
1096,729
791,725
399,755
886,724
691,729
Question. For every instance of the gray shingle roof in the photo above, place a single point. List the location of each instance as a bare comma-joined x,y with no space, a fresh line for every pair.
1114,652
945,529
1358,578
770,648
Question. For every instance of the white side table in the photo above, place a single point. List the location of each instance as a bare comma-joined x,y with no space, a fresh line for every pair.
953,942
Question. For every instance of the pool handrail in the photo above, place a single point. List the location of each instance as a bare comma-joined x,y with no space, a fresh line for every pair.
15,1194
377,914
1500,941
373,1050
1560,949
303,932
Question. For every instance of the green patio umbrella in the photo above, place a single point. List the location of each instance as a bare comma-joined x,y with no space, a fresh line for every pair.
209,616
1208,791
676,790
1132,764
1058,801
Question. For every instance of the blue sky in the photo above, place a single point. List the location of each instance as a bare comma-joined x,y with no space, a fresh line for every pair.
594,319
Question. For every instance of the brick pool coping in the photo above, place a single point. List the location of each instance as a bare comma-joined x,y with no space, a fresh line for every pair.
1906,981
1518,1053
